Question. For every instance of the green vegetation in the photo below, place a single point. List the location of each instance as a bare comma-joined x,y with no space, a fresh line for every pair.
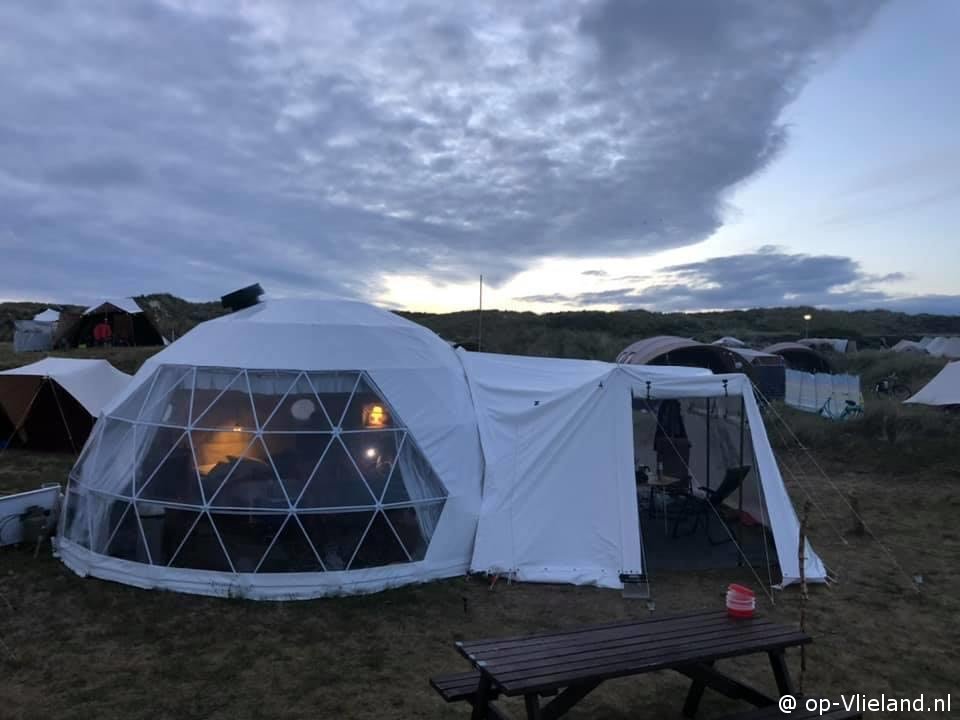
589,334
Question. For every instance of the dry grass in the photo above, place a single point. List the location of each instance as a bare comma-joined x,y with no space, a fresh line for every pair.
83,648
91,649
128,359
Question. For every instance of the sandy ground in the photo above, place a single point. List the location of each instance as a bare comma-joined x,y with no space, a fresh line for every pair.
83,648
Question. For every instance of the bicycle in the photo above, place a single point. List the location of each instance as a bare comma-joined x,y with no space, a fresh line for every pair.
891,386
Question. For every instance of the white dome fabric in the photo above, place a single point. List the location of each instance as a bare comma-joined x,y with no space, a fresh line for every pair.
288,450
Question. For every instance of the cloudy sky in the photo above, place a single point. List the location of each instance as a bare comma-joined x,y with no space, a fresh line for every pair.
682,155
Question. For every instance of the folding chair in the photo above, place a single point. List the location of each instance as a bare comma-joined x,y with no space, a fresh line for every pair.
701,508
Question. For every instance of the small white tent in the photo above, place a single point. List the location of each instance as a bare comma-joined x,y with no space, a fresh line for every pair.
295,450
730,342
47,316
909,346
943,390
947,347
52,403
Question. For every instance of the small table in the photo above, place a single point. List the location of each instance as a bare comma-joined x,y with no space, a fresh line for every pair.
572,663
667,486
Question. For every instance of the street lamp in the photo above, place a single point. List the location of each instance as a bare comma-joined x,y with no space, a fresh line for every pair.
806,326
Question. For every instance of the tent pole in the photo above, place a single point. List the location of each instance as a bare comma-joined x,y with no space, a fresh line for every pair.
708,445
743,420
480,319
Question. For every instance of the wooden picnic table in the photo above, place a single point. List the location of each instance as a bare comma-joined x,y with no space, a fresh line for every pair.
570,664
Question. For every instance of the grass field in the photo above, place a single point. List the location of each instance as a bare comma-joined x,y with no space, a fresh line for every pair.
84,648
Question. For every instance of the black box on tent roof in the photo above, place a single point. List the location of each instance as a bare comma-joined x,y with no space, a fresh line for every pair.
242,298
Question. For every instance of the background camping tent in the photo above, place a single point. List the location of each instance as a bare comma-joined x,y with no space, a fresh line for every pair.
48,316
344,433
943,390
909,346
559,501
36,335
130,324
800,357
52,404
837,345
670,350
32,336
948,347
730,342
766,370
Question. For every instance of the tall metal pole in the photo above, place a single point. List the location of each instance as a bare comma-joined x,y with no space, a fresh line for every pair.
743,418
480,319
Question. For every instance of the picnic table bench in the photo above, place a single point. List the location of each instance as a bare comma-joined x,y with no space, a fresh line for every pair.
570,664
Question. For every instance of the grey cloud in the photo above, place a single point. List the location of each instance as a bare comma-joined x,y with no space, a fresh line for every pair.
594,273
769,277
98,173
319,148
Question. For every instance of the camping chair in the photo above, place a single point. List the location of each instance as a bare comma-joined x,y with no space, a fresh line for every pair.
701,508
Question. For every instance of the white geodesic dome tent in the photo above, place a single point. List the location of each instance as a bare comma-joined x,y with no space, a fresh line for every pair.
286,450
302,449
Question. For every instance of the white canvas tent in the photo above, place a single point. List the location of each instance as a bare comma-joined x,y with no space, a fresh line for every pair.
472,462
52,403
943,390
559,488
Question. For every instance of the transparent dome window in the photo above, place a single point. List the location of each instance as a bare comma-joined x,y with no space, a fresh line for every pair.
254,471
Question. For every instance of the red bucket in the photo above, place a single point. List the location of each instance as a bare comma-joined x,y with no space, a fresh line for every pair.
741,601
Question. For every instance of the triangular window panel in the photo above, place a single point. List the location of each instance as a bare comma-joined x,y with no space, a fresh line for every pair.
247,536
291,552
165,529
295,457
175,479
252,483
75,521
415,526
106,515
131,408
334,390
379,547
336,482
374,452
115,459
231,407
335,536
267,388
413,479
127,541
217,453
299,411
169,399
201,550
368,410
